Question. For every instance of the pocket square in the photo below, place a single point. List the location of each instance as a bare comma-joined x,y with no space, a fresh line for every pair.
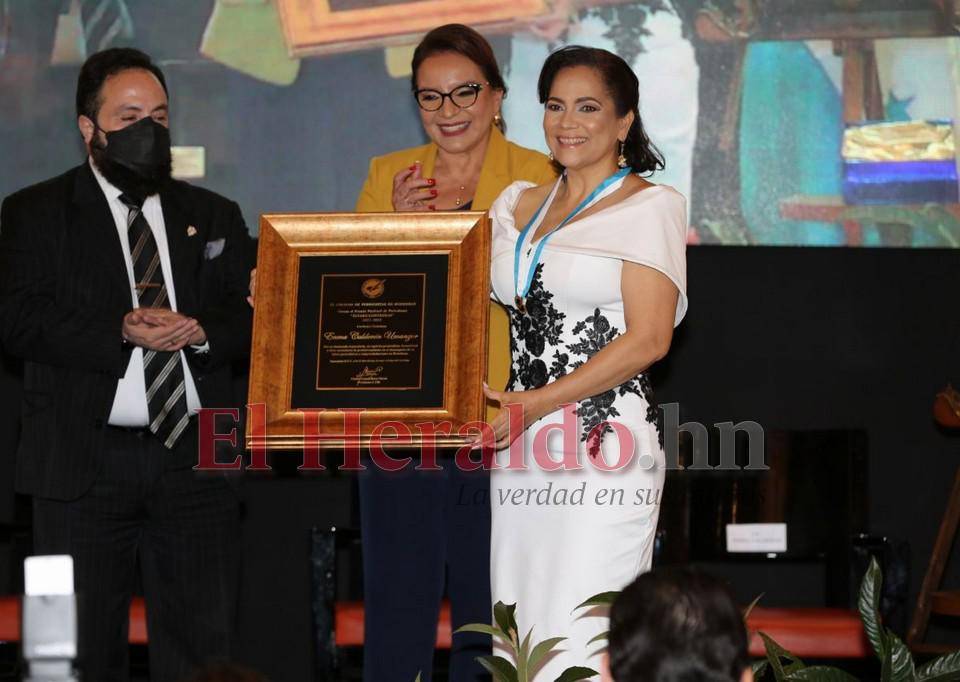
191,231
214,248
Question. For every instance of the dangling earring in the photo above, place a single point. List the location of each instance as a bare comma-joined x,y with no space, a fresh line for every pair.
621,159
498,120
550,156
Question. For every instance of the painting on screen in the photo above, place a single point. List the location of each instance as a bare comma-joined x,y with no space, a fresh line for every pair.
784,122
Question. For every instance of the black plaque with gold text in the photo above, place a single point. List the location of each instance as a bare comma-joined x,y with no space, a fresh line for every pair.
370,331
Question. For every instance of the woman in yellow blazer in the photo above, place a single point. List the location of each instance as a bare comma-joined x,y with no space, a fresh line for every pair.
424,530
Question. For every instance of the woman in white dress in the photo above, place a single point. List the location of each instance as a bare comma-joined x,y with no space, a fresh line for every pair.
592,272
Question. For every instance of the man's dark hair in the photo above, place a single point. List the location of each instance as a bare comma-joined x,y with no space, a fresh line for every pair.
677,624
100,66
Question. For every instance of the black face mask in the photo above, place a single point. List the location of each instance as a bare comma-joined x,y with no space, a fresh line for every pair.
136,159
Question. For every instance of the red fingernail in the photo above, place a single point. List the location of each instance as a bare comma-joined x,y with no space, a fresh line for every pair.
431,181
433,192
413,168
432,207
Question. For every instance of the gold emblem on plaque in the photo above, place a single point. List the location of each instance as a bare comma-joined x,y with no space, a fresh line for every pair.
373,288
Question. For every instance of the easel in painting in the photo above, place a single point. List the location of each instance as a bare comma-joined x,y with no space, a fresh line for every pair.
853,34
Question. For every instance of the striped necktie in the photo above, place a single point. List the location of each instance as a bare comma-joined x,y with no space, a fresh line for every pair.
163,371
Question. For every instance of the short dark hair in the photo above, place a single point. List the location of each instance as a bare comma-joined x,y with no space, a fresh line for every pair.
624,89
100,66
461,40
677,624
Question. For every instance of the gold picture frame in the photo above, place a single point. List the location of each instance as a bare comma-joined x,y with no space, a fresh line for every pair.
317,27
296,253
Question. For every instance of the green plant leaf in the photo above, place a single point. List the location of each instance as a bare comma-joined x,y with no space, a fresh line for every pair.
485,629
418,678
501,669
505,616
821,673
775,652
523,653
901,660
759,668
598,638
868,604
794,667
776,665
576,673
771,645
941,669
747,611
602,599
541,650
525,645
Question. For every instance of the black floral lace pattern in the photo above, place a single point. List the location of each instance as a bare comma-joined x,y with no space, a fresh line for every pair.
595,332
541,325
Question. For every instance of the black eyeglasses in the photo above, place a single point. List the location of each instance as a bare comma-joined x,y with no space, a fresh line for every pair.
462,96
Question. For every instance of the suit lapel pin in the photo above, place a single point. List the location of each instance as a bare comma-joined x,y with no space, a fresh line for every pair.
191,231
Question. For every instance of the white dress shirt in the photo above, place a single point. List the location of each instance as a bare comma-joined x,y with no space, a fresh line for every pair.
130,402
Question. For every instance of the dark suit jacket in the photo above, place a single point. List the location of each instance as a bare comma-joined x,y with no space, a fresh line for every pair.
63,294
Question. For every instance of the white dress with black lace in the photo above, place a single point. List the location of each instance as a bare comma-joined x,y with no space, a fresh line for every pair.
559,537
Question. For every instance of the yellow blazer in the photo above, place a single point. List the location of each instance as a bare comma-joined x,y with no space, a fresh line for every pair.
504,163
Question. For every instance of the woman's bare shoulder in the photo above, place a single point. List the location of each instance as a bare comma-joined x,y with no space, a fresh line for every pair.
528,202
634,184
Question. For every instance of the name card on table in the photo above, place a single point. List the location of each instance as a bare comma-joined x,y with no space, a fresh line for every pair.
756,537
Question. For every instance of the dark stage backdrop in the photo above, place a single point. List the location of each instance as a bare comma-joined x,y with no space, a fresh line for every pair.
830,339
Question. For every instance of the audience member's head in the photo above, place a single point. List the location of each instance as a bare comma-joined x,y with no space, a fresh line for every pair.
225,672
676,625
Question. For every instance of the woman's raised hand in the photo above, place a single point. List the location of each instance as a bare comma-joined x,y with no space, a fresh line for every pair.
412,191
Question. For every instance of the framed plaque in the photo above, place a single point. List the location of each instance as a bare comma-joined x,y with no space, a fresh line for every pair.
327,26
382,315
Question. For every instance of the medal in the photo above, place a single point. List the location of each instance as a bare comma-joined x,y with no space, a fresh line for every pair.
606,187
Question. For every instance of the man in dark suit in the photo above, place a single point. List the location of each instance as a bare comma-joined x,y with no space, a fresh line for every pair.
123,292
